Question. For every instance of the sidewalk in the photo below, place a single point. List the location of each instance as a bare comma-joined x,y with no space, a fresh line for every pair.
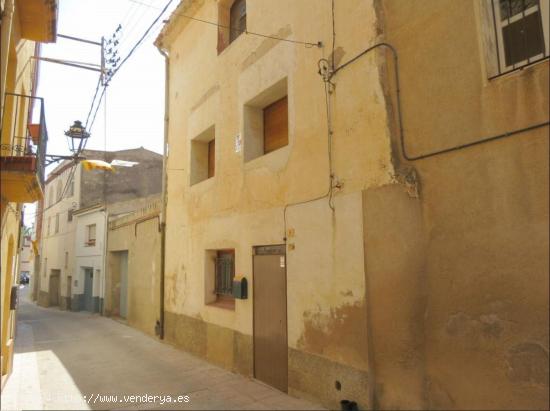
66,360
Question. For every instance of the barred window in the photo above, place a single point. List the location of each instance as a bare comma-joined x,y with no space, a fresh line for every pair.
521,33
225,272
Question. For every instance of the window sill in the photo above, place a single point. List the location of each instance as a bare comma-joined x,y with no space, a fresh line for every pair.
274,160
230,44
226,303
519,70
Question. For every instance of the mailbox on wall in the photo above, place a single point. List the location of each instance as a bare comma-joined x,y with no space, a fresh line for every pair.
240,288
14,297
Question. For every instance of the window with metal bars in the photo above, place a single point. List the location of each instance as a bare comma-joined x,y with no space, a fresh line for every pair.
521,33
225,272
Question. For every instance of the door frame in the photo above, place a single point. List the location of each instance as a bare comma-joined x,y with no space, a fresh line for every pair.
85,270
254,249
54,273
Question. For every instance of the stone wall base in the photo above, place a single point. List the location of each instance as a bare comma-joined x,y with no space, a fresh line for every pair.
310,376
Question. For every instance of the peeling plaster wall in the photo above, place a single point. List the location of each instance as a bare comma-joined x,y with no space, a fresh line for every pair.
242,205
477,315
142,242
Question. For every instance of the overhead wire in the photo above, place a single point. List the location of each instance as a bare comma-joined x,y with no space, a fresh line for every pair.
251,33
131,29
327,92
89,124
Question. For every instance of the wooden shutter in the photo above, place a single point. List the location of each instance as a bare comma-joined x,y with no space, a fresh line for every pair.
237,19
211,158
276,125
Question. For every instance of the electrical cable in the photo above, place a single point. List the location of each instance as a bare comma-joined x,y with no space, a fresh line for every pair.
329,192
93,101
333,35
404,153
142,37
305,43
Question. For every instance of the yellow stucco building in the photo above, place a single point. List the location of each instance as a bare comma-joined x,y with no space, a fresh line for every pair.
23,131
377,172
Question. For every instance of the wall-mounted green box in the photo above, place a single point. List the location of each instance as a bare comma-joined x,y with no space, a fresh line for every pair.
240,288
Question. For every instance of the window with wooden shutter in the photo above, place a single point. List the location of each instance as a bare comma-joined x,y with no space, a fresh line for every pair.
276,125
211,158
237,19
203,156
90,235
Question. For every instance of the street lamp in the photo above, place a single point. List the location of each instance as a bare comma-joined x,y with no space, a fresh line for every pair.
77,134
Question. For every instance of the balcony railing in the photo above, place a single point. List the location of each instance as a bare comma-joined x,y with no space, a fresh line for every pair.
24,140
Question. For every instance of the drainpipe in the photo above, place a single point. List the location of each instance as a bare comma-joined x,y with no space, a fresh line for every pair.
164,186
104,271
7,19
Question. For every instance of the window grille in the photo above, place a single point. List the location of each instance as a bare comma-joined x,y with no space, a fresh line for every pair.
521,33
225,272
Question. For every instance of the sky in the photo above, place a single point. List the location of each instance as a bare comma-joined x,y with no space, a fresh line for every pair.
134,115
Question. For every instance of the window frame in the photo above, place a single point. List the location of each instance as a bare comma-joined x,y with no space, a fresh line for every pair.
270,110
89,241
497,52
235,32
224,289
200,156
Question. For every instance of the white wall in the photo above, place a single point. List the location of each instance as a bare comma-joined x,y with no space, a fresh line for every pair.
90,256
55,245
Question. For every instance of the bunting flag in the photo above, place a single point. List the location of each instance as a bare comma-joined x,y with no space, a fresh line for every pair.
97,165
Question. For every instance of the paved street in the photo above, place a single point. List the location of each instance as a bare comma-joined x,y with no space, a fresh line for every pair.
68,360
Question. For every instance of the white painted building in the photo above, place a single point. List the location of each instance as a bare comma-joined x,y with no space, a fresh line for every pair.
26,262
62,197
89,272
76,207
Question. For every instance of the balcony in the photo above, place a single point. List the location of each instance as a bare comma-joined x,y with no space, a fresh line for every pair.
23,148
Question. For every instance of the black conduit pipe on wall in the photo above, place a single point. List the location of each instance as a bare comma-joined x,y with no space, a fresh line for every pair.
164,189
400,118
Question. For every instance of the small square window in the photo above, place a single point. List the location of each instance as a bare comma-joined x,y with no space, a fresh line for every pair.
265,122
203,156
219,275
90,235
276,125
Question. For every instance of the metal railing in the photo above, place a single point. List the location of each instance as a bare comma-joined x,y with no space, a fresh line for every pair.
24,133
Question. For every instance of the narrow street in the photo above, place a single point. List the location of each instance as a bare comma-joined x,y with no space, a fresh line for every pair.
66,360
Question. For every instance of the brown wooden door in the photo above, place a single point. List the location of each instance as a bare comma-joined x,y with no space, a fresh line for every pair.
54,287
270,323
69,290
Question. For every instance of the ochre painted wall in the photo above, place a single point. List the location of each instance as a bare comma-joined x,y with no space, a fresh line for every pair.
427,286
242,205
18,81
142,242
471,330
